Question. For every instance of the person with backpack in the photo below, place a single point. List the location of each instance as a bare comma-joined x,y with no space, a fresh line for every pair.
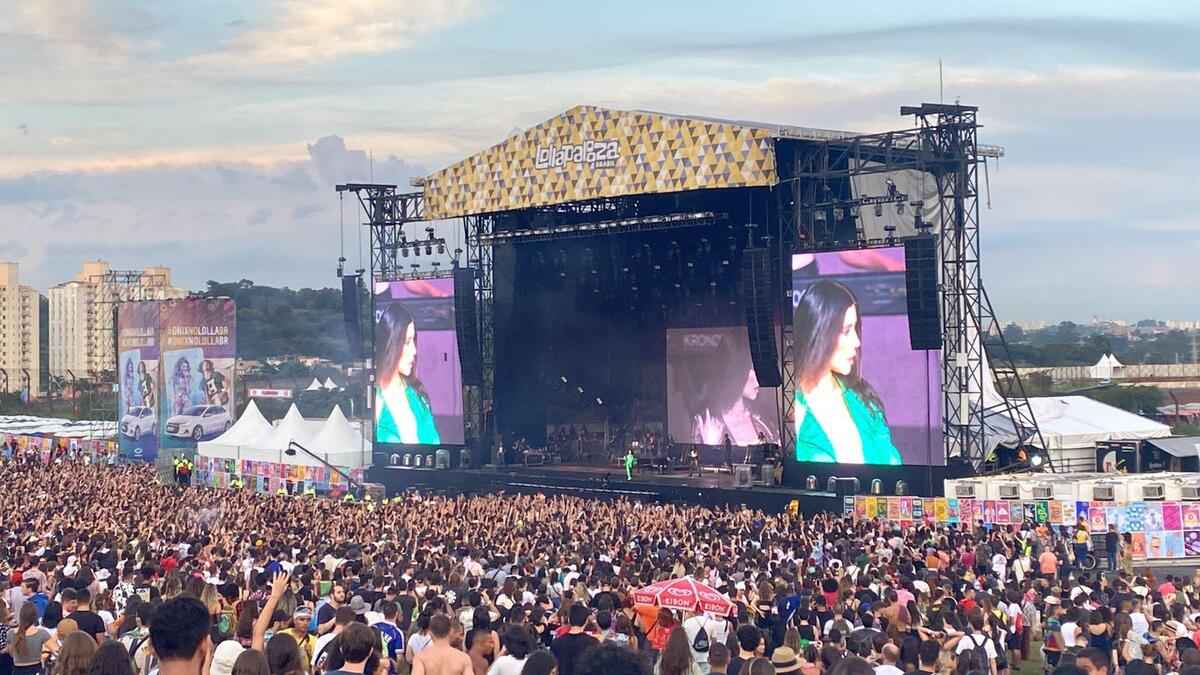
976,648
702,631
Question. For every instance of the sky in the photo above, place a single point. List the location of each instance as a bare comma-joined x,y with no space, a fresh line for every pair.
208,136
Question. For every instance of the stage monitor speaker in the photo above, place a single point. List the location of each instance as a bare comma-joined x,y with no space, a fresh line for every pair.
743,476
467,326
766,474
759,301
351,316
921,282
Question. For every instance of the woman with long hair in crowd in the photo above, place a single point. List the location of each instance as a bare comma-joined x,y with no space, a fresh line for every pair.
111,658
75,655
676,657
27,643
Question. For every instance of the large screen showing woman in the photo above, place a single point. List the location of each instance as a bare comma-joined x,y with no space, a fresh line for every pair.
418,374
862,394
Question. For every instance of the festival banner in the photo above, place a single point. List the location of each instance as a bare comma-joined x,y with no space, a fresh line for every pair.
871,508
1112,514
941,510
989,512
1191,516
1028,512
1003,514
1068,514
848,505
199,351
137,390
930,510
1172,516
1173,544
966,511
893,509
1191,542
860,507
1154,517
952,510
918,509
1138,545
1016,512
1081,512
1042,513
1097,521
1155,546
1135,518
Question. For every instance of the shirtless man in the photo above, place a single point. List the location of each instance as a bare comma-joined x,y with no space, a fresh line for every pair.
439,658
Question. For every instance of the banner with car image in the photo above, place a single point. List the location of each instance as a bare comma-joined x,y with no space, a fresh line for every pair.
199,353
138,383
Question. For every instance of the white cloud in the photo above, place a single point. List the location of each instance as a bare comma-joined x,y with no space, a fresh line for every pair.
309,31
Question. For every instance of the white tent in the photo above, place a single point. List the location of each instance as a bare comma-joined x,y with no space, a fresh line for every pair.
1071,426
252,437
315,385
329,384
1105,368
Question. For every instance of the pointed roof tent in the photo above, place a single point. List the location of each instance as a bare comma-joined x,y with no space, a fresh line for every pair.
249,429
329,384
1114,362
315,385
291,428
337,434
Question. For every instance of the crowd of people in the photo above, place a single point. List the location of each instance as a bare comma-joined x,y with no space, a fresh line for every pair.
107,571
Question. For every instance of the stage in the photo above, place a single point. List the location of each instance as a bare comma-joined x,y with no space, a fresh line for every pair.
713,489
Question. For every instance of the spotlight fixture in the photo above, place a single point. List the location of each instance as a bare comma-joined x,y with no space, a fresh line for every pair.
876,486
563,378
599,401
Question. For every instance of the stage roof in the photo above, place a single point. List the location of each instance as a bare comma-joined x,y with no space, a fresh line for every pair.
590,152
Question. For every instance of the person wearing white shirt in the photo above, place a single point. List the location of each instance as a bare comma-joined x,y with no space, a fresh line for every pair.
717,629
977,639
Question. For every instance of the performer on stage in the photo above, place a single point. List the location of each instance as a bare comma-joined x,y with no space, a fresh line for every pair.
694,462
630,461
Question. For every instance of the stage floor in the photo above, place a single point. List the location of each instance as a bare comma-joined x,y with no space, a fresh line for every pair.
603,482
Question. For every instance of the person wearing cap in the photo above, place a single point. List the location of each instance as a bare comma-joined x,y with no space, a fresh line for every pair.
359,606
299,632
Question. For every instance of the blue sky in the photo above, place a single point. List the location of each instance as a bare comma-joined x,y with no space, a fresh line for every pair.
207,136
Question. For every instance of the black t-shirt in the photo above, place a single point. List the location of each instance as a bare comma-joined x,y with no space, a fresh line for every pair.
735,665
89,622
326,613
568,648
1112,542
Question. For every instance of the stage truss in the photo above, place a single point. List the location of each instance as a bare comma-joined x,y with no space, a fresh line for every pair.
815,208
817,184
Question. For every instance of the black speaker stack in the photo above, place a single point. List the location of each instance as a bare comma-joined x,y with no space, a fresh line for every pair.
759,301
466,325
351,317
921,281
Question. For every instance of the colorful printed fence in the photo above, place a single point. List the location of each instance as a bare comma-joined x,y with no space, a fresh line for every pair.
272,476
1156,529
50,447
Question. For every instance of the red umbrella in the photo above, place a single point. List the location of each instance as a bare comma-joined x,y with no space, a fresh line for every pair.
687,594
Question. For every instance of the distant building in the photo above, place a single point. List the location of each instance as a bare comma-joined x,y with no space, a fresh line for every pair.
20,328
82,331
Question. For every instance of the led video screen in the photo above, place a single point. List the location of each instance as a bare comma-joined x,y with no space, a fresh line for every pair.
418,374
712,391
862,394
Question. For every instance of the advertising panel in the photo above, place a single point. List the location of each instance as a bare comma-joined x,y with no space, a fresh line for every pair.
712,391
863,395
137,363
199,355
418,374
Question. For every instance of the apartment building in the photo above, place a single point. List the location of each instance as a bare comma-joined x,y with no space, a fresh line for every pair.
20,325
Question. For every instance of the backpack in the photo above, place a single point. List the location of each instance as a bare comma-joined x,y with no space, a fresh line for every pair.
977,657
700,642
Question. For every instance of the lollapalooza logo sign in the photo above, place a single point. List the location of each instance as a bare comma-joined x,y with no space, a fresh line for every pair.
596,154
702,340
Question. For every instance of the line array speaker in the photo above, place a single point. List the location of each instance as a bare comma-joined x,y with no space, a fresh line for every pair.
921,280
466,325
759,301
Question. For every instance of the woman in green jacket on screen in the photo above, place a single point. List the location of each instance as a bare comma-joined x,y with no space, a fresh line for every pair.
402,411
839,418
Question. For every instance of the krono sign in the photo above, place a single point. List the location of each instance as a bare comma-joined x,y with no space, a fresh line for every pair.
596,154
711,340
